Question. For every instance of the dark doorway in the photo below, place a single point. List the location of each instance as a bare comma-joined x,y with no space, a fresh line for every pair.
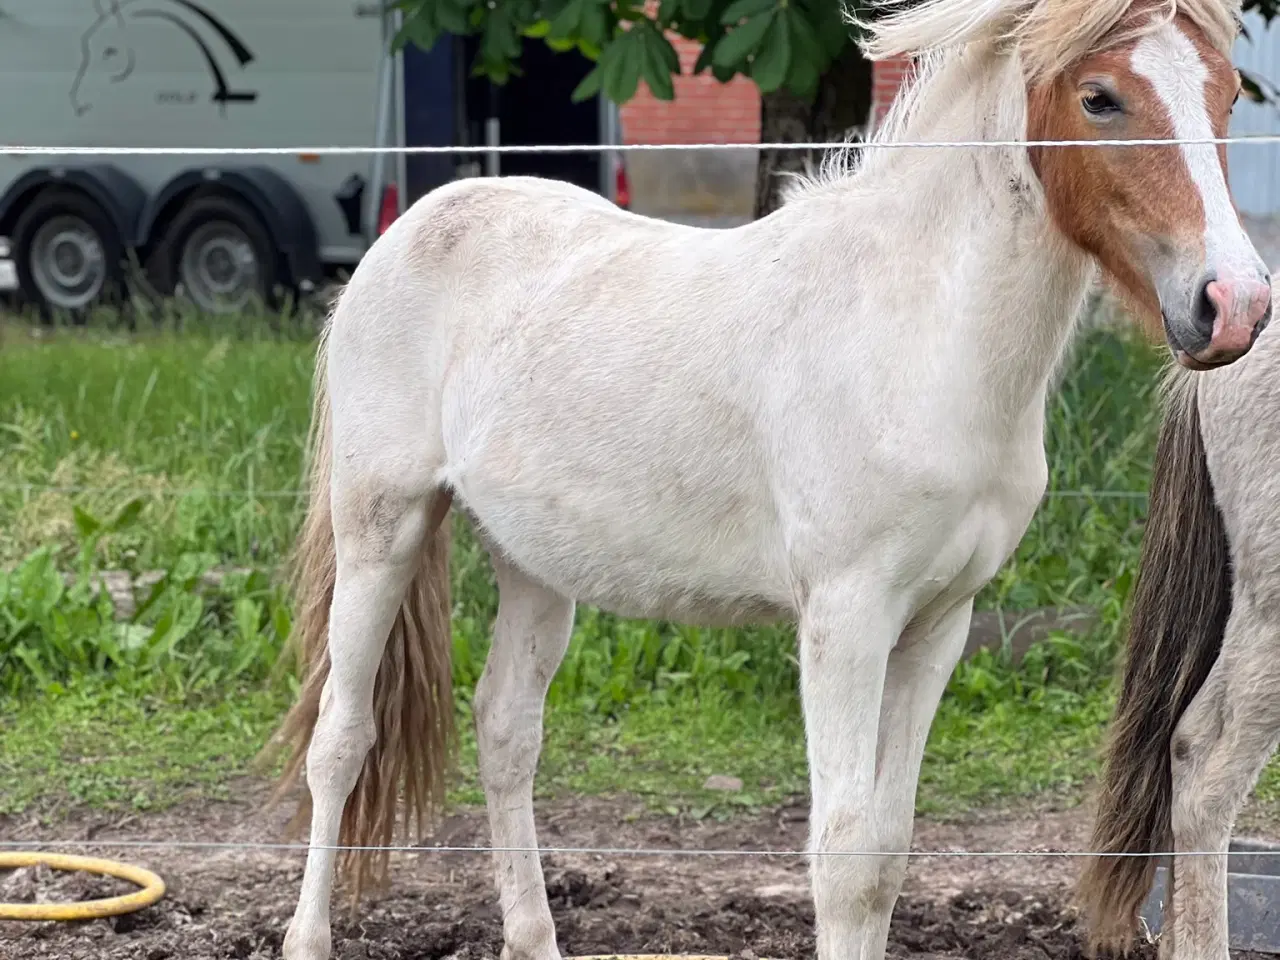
535,108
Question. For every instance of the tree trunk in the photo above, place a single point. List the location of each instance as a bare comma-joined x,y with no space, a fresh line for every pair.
843,102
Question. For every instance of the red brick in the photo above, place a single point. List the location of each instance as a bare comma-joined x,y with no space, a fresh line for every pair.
705,110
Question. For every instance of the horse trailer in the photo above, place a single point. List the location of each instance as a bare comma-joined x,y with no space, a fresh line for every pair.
221,229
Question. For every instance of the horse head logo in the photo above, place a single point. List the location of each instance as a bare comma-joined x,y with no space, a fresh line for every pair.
108,54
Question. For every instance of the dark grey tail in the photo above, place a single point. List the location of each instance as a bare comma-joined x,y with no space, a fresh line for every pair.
1181,601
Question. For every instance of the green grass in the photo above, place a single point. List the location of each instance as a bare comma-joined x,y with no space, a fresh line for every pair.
188,437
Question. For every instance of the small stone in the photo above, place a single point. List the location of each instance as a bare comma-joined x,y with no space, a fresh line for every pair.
723,784
782,890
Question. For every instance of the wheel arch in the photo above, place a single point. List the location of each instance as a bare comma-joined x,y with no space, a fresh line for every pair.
268,194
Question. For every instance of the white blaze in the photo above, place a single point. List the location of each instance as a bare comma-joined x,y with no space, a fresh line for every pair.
1171,64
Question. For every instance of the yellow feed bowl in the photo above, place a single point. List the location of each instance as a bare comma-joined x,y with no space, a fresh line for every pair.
152,888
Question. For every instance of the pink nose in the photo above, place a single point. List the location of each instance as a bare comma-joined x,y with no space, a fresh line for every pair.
1241,309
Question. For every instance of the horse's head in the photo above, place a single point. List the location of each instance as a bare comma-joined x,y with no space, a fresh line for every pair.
1159,218
106,55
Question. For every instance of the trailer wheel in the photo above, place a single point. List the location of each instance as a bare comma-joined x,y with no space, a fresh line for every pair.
68,255
218,255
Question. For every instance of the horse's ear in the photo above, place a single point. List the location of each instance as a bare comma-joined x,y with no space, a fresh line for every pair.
107,8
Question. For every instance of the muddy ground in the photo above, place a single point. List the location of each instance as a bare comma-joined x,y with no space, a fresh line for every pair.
234,904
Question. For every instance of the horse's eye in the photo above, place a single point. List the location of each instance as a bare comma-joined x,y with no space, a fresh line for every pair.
1098,103
109,52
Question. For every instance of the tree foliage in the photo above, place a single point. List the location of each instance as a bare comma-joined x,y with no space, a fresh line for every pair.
779,44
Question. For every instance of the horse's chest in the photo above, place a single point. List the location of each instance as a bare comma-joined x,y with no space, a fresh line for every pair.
973,542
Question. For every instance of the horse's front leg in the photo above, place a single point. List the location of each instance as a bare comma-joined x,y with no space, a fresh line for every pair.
846,635
919,667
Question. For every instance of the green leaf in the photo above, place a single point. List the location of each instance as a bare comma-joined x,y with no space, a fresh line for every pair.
594,26
565,24
803,78
740,42
561,45
657,69
631,63
805,44
127,514
704,58
668,52
833,32
696,9
419,29
452,16
723,74
745,8
589,87
86,523
538,29
769,68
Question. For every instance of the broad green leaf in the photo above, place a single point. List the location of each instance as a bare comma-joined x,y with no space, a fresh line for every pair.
538,29
451,15
86,523
805,45
588,49
589,87
565,25
594,27
419,28
769,68
611,68
833,32
657,70
696,9
667,51
704,58
632,63
562,45
740,42
723,74
803,78
127,514
745,8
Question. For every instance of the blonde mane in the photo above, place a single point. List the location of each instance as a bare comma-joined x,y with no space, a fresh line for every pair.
1045,36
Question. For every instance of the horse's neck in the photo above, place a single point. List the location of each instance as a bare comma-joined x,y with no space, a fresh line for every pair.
1010,279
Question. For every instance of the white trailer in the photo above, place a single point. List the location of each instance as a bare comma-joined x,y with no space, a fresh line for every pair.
220,230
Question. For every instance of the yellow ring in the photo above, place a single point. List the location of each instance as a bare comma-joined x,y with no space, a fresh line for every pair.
152,888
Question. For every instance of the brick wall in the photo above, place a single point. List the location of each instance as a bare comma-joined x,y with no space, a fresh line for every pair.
887,78
704,110
708,111
707,183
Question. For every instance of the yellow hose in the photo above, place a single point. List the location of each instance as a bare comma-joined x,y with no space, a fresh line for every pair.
152,888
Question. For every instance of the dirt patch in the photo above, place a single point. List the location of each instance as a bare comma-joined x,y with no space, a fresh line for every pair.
234,904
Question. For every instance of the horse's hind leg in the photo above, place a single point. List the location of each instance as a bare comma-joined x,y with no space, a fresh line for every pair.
529,642
383,501
1218,751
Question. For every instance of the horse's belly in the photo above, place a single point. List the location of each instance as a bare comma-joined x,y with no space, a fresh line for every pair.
708,553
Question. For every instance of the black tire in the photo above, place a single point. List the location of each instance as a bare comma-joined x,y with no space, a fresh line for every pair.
91,271
203,256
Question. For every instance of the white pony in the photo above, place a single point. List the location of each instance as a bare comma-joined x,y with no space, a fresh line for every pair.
834,414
